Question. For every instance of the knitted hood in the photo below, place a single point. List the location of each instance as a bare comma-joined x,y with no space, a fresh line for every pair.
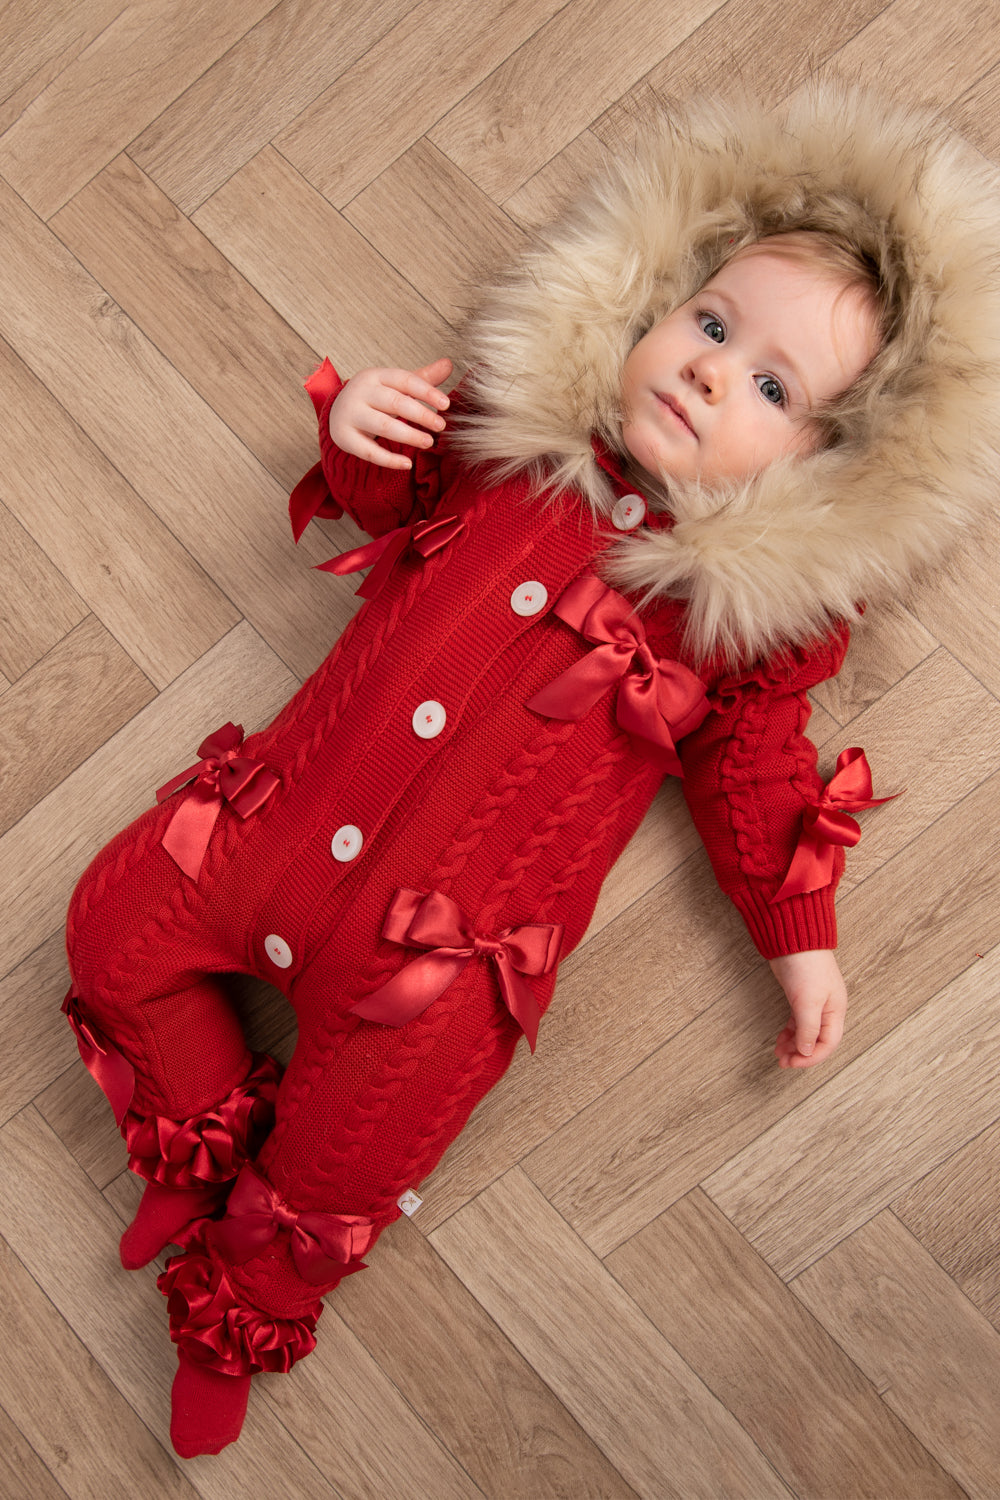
774,559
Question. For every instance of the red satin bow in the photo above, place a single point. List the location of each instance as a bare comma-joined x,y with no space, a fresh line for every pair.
826,825
220,774
112,1072
422,920
323,1245
657,705
425,537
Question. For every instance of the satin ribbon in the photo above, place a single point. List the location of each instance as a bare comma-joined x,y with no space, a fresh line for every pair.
311,496
421,920
826,825
657,704
112,1072
323,1245
381,555
220,775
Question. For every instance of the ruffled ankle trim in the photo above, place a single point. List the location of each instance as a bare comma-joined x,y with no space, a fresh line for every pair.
210,1147
216,1330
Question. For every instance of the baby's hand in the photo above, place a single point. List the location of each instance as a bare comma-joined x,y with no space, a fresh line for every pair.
817,994
384,404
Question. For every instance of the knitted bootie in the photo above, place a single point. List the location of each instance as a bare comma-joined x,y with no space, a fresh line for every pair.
163,1215
207,1408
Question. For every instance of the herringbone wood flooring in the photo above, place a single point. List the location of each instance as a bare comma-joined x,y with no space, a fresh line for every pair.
654,1265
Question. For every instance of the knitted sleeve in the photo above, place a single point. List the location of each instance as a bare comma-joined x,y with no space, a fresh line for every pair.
378,499
749,773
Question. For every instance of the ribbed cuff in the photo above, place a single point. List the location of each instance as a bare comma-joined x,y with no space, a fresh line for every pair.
791,926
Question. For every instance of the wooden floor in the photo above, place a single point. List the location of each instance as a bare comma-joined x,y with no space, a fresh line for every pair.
655,1264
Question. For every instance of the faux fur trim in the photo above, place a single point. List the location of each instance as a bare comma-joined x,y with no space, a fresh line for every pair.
773,560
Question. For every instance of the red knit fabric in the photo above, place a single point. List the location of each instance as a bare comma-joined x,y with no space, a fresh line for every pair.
515,816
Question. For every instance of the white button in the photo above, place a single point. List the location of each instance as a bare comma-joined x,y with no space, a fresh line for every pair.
346,843
278,951
629,513
529,598
429,719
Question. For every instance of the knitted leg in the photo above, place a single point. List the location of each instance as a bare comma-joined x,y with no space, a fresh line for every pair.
245,1295
161,1038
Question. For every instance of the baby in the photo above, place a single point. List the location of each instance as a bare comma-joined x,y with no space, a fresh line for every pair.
707,417
739,376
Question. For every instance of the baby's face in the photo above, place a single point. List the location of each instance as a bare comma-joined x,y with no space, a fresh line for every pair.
727,383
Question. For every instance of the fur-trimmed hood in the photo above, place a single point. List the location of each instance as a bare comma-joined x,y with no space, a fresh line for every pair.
772,560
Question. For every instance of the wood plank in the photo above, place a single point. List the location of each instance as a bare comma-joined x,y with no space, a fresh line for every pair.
214,328
885,646
22,1472
874,1130
935,1358
429,60
437,228
77,696
809,1409
264,81
40,1045
114,552
915,54
710,1091
119,1318
556,184
358,1430
508,127
465,1380
937,730
684,943
325,279
955,1214
976,113
42,856
37,606
640,1402
960,606
746,43
79,1425
216,498
143,59
77,1112
38,39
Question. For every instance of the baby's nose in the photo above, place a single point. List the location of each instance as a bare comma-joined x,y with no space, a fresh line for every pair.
706,372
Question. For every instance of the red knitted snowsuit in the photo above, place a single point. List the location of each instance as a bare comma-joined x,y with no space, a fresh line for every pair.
513,815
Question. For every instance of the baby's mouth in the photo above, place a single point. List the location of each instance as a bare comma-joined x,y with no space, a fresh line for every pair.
676,410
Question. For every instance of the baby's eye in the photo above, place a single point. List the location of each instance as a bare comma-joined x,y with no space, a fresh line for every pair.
772,390
711,326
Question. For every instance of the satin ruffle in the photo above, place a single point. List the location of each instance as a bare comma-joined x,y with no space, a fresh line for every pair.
215,1329
210,1147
